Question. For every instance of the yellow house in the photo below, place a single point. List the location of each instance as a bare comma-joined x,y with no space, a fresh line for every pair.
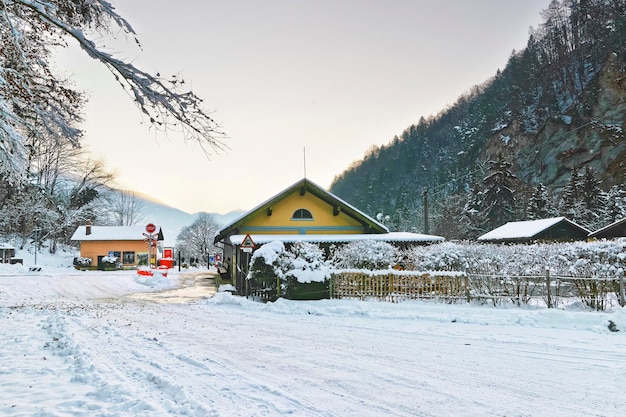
302,212
128,244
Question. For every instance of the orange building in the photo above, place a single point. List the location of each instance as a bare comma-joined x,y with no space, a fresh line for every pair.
127,244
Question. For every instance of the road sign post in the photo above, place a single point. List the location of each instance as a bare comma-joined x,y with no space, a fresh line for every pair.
151,238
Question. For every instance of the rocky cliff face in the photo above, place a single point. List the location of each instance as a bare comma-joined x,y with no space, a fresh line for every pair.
569,142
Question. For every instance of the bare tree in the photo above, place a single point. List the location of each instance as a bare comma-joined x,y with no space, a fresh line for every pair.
36,103
196,240
126,208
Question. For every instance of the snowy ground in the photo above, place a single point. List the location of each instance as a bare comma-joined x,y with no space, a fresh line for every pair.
78,344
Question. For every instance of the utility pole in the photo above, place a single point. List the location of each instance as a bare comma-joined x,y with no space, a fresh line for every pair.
36,230
425,202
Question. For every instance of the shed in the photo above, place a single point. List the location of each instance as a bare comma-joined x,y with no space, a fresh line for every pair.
613,230
552,229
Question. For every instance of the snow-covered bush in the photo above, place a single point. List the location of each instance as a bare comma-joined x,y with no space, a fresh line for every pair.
110,259
110,262
365,254
82,261
276,271
308,263
266,273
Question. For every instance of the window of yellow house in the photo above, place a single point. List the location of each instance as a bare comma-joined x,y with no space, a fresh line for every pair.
302,214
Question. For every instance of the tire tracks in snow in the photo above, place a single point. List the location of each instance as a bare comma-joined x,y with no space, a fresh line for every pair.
109,379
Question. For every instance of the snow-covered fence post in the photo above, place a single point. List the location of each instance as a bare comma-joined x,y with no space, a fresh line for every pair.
622,301
548,290
466,283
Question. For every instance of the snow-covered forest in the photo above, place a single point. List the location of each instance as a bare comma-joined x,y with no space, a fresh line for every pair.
543,137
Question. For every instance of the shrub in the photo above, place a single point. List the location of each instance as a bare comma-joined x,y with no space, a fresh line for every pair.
110,262
365,254
276,271
82,261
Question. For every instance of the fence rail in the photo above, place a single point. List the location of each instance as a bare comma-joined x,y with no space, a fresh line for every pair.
551,291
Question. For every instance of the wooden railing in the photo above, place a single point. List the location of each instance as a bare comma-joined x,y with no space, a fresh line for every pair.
396,286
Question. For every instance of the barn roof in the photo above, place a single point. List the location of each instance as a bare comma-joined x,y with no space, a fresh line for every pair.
615,229
532,229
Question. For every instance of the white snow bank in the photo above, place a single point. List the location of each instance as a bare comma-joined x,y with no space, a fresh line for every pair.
435,312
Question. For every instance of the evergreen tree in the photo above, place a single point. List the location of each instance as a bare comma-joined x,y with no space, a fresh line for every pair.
590,189
570,206
615,207
540,205
499,198
473,214
592,200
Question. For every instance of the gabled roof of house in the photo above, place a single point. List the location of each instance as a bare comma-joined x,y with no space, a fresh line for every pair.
527,230
305,185
615,229
113,233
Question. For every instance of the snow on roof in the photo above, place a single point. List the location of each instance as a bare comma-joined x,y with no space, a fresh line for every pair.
609,227
523,230
112,233
6,246
330,238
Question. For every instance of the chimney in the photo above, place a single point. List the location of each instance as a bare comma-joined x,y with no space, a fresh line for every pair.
88,227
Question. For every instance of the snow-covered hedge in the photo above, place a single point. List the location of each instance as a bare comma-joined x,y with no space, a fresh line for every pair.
578,259
513,272
365,254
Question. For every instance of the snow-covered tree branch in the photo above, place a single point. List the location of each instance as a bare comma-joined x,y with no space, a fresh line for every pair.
35,102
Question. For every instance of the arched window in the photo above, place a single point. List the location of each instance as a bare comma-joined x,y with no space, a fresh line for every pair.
302,214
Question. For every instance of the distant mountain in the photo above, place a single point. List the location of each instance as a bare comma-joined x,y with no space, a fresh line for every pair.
558,107
173,220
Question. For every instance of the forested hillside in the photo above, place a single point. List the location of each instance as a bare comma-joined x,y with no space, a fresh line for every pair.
542,137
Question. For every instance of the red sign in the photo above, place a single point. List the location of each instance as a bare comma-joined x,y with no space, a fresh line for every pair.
150,228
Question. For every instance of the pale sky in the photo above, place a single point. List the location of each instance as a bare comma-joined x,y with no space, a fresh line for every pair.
334,77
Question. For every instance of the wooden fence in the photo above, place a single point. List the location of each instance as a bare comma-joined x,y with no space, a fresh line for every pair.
550,291
391,286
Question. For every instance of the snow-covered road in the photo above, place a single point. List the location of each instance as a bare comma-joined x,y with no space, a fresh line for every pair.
75,348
